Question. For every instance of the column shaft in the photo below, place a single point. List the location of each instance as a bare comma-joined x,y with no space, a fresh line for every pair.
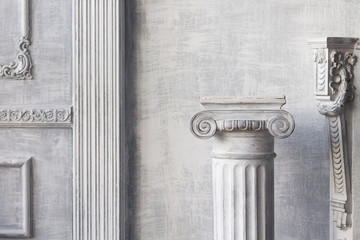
243,181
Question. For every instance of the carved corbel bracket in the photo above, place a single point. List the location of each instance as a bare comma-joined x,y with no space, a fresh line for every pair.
20,67
334,89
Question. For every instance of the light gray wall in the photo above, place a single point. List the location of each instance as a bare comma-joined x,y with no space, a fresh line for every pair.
186,49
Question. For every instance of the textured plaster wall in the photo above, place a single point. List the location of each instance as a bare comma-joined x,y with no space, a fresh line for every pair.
180,50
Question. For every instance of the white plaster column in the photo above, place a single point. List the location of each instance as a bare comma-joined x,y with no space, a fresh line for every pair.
334,60
242,160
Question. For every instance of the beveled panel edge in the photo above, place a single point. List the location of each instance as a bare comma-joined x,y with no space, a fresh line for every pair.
23,231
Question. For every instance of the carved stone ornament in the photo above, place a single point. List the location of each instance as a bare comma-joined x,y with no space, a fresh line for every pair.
242,161
205,124
334,61
36,117
20,67
342,89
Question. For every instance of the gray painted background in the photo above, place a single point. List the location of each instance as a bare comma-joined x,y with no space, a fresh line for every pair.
180,50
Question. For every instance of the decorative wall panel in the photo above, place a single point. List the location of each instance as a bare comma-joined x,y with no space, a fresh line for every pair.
15,221
20,67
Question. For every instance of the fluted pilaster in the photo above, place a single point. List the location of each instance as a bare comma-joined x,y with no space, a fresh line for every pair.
100,187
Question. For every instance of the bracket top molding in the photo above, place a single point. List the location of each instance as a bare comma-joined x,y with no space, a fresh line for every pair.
334,42
232,114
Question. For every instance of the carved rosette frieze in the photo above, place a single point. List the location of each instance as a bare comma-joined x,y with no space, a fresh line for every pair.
36,117
334,61
205,124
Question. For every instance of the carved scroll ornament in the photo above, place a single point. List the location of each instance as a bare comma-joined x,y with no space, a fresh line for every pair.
20,67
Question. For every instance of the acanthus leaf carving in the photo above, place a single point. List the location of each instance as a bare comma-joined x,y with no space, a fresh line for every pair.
341,85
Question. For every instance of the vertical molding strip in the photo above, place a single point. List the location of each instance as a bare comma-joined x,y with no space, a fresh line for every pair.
100,192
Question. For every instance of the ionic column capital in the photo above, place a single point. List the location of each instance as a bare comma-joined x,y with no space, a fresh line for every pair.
236,118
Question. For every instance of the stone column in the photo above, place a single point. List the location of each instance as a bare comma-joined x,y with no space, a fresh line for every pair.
242,161
334,60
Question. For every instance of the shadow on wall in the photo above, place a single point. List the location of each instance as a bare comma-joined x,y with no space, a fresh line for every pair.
130,108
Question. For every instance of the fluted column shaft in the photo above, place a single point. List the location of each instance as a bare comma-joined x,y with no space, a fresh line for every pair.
243,186
242,162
